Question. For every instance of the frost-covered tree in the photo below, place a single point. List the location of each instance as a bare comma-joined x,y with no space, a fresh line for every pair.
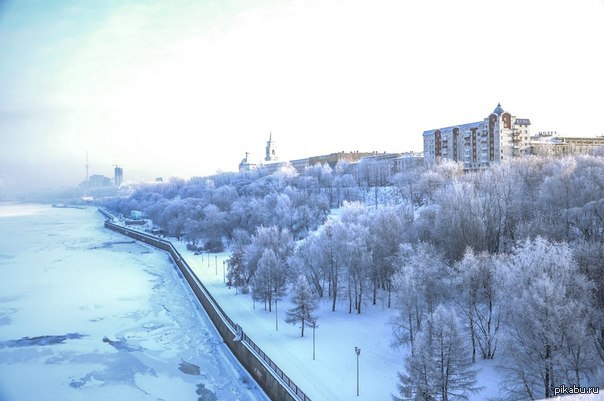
388,228
435,178
305,304
549,304
459,223
406,183
332,262
590,262
422,283
355,256
496,192
439,367
477,293
280,242
270,279
309,259
214,227
352,253
236,266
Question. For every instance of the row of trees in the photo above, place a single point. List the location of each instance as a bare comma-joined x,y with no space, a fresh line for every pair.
535,307
494,258
207,211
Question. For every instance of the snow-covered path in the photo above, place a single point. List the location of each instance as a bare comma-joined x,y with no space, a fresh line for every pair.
87,314
332,375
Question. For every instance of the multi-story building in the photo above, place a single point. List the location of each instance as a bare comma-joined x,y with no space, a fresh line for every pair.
118,176
98,181
498,137
549,143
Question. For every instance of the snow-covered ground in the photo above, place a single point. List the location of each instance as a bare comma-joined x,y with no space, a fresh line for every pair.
88,314
332,375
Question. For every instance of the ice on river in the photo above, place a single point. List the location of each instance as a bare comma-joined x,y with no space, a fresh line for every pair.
87,314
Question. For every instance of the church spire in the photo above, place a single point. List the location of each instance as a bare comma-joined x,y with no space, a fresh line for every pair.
271,154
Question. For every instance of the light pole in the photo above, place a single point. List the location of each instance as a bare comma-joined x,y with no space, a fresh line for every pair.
358,352
276,317
224,272
216,263
208,258
314,326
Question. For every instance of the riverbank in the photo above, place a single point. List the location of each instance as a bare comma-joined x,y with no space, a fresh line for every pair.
86,315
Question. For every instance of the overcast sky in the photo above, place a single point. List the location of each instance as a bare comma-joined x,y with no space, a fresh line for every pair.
184,88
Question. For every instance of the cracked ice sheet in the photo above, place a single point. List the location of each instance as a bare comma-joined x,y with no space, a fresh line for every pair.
85,315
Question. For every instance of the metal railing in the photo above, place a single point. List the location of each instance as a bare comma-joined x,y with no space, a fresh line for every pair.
167,246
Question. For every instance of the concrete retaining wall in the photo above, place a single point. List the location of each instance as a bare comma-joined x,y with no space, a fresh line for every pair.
276,384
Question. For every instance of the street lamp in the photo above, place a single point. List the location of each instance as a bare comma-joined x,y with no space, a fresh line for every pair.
276,317
357,350
314,326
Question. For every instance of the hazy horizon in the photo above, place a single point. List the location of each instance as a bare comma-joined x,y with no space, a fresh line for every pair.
185,90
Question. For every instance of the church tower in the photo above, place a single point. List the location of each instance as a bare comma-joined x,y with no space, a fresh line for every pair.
271,154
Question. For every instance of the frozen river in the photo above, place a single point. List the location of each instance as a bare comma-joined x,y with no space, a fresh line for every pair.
88,314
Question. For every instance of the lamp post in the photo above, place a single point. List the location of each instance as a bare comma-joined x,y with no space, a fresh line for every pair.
357,350
224,272
314,326
216,263
276,317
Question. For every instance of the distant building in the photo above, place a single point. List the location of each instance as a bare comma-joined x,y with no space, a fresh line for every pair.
270,157
497,137
245,164
388,163
271,152
136,214
99,181
118,176
548,143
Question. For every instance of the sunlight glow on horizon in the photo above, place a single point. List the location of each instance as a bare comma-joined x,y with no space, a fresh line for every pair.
187,90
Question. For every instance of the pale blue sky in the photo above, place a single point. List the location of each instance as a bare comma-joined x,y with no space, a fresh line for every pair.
186,88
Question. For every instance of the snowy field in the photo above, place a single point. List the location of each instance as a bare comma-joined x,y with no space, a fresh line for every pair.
332,375
88,314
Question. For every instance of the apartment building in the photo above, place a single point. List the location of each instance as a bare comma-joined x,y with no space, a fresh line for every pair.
477,145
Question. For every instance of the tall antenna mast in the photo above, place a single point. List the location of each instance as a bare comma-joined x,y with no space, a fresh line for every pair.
86,166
